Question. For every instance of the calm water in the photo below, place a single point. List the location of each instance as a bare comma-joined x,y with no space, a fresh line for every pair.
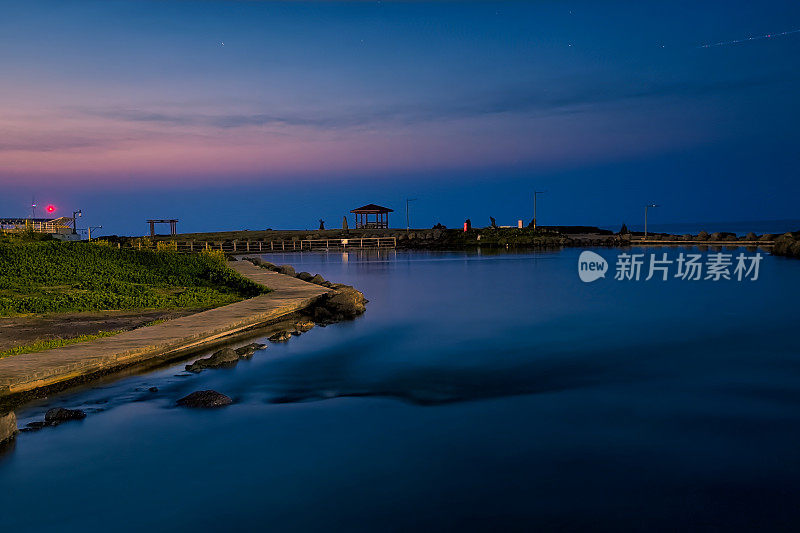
477,392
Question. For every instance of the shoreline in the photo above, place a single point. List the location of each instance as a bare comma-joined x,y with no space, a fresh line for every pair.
25,376
246,242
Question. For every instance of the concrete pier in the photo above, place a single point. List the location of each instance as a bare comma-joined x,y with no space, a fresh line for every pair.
161,342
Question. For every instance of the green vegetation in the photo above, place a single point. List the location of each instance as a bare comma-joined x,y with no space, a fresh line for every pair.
45,344
53,276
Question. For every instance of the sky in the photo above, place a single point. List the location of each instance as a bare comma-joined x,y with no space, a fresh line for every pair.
251,115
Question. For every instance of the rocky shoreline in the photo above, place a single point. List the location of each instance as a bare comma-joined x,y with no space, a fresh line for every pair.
788,245
441,238
343,302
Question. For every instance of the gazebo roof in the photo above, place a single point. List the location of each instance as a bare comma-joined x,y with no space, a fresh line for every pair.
371,209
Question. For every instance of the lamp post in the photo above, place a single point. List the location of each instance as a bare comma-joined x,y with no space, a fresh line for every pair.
408,218
648,206
90,231
535,195
75,214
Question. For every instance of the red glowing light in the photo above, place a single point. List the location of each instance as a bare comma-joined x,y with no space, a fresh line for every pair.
51,208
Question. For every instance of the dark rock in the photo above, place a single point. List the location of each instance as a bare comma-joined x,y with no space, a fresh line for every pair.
281,336
322,315
303,325
153,389
59,414
205,399
248,350
270,266
319,280
8,426
224,358
305,276
35,425
346,302
287,269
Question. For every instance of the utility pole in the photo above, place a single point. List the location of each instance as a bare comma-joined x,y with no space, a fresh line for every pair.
75,214
90,231
408,217
535,194
645,217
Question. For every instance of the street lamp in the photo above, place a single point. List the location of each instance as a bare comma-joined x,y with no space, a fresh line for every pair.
408,218
648,206
90,231
535,194
75,214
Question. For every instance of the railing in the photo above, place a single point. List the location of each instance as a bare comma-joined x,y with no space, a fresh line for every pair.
249,247
33,225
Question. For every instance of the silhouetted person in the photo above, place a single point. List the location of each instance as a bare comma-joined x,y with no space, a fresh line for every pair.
493,222
321,224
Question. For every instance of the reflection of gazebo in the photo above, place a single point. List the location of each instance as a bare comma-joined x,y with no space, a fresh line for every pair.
363,216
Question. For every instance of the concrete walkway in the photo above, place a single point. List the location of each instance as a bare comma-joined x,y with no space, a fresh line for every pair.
25,372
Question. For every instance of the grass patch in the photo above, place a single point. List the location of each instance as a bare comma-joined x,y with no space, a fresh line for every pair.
46,344
54,277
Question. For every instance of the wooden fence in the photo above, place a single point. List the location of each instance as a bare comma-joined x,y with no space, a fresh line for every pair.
249,247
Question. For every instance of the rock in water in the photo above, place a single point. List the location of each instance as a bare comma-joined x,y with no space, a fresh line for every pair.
319,280
281,336
59,414
305,276
287,269
303,325
346,302
224,358
205,399
8,426
248,350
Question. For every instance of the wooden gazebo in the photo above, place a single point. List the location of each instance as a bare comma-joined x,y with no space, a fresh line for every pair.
364,213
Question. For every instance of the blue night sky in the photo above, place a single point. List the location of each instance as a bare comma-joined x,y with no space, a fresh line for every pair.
131,110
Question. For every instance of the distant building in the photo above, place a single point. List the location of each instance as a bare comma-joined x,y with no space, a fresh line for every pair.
372,216
60,228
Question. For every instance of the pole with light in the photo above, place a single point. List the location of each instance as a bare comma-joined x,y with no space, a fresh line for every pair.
90,230
408,217
75,214
648,206
535,195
